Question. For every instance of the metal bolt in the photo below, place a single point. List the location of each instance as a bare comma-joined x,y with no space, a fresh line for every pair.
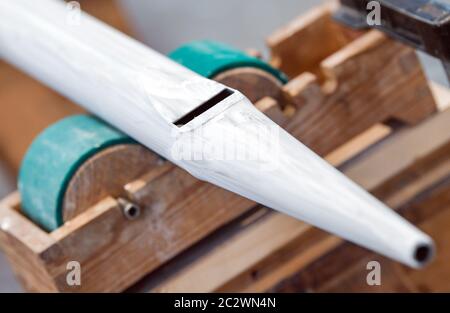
130,210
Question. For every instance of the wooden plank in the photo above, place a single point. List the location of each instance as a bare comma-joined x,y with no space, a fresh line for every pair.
413,144
24,244
240,253
305,42
169,223
352,276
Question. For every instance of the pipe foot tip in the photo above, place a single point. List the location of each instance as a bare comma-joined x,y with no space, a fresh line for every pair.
424,254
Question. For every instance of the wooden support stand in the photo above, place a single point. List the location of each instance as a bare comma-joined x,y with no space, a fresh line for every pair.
345,88
344,82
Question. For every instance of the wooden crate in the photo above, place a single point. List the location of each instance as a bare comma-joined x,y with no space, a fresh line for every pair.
342,100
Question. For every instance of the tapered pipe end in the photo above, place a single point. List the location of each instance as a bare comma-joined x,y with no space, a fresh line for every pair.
409,246
424,254
298,182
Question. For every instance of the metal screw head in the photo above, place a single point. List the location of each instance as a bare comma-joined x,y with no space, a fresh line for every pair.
130,210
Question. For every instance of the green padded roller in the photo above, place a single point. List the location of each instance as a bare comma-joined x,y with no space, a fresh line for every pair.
210,58
52,160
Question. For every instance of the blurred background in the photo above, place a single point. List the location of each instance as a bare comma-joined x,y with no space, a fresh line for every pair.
163,25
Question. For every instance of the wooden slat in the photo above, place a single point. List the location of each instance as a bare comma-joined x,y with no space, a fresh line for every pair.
351,276
24,244
314,35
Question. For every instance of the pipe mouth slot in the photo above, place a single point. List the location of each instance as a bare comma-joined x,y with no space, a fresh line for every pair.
225,93
423,254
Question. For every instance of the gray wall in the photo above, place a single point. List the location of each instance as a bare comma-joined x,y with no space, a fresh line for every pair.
244,23
166,24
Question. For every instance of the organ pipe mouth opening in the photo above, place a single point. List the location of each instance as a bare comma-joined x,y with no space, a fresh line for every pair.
205,106
424,254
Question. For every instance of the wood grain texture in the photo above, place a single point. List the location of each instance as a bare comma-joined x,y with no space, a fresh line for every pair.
106,174
305,42
24,244
430,211
342,82
372,80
